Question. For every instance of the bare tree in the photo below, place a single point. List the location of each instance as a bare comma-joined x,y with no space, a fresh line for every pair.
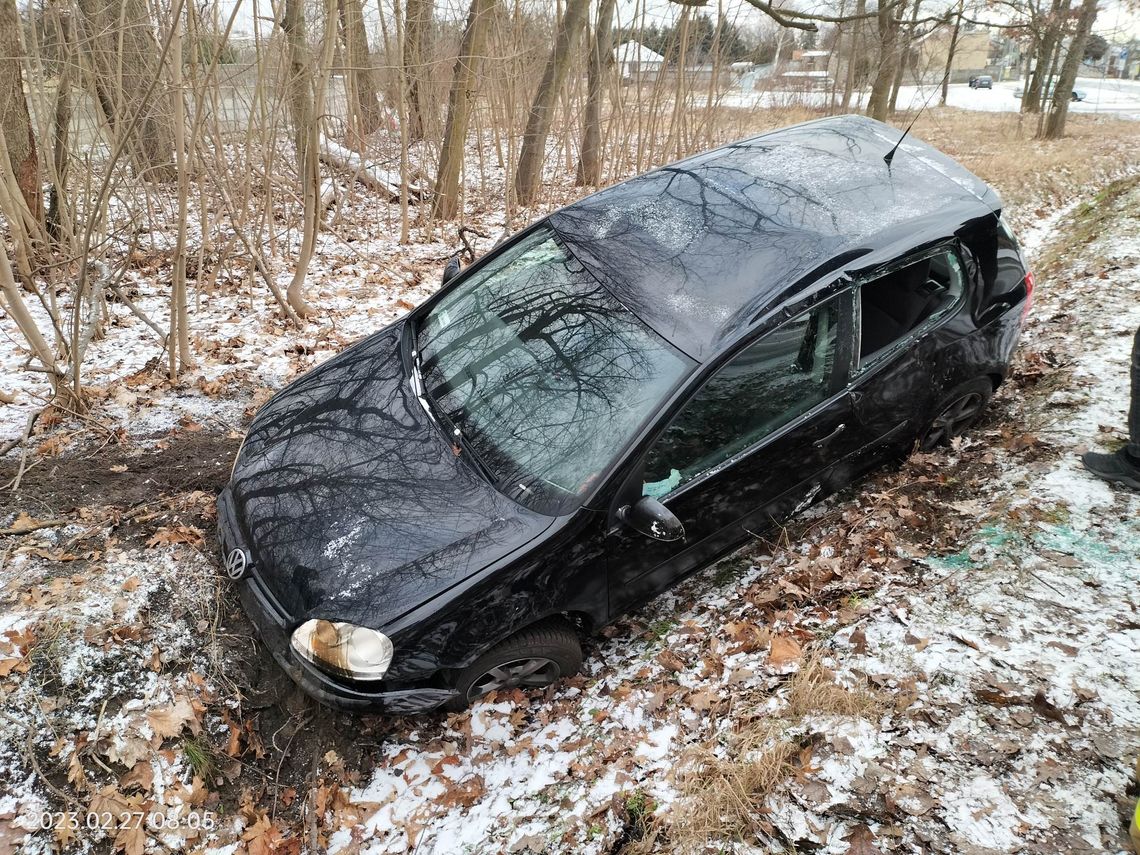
417,34
178,341
14,120
878,104
1049,35
59,218
364,113
118,37
600,60
13,302
459,107
533,150
904,55
951,49
853,51
1059,106
306,138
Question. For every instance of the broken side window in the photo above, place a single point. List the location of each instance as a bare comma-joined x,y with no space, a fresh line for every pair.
897,303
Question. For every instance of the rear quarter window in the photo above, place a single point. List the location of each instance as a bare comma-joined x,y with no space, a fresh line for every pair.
1010,267
996,265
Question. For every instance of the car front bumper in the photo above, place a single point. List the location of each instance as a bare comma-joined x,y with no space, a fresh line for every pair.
274,627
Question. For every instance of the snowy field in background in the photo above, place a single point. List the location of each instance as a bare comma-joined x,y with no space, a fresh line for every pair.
1118,98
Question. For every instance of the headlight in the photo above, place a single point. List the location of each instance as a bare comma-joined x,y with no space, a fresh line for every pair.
344,649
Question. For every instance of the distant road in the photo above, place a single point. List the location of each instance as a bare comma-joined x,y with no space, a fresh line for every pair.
1120,98
1116,97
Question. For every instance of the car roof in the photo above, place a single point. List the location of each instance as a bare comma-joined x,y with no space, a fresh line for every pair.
701,248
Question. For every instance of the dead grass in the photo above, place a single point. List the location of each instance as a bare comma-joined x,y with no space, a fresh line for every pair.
723,798
1086,224
813,691
1000,148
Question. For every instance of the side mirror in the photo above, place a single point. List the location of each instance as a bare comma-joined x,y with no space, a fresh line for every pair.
653,519
450,269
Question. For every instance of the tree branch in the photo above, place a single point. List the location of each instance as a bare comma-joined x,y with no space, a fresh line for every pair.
802,20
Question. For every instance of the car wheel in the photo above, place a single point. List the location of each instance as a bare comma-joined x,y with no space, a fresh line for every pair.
532,658
958,412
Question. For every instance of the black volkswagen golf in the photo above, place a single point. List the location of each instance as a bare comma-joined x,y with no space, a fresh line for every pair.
611,400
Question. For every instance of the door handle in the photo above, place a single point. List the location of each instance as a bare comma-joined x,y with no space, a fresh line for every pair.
820,443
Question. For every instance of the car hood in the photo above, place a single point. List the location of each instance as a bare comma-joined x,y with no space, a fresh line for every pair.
351,501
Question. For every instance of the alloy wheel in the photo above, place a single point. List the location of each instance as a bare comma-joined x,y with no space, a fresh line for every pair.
955,419
516,674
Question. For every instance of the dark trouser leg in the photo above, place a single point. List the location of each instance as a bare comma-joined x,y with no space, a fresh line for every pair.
1134,412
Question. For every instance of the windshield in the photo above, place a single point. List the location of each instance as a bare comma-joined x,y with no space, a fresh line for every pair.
545,374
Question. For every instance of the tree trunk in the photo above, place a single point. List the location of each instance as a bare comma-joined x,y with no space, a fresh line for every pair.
13,302
364,113
459,106
1049,81
178,342
118,36
305,138
600,60
878,105
59,222
1046,49
852,52
533,150
903,56
417,32
1059,106
14,120
300,83
950,51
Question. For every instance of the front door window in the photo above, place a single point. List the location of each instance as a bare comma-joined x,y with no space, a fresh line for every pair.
779,377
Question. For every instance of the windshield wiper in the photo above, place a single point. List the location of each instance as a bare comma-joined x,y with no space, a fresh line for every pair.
418,387
459,442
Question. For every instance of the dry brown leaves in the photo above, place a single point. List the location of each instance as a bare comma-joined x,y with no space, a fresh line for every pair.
15,645
784,650
171,535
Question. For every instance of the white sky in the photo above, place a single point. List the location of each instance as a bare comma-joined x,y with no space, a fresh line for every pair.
1115,22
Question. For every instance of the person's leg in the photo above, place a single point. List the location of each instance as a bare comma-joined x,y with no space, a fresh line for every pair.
1134,412
1124,466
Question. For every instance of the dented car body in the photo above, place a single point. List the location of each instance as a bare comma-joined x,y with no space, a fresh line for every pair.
611,400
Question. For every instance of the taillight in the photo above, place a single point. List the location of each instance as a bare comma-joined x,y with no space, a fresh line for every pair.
1030,284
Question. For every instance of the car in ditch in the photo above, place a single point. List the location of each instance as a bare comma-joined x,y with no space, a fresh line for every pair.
612,399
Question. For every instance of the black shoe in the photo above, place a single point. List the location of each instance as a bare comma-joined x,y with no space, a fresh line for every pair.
1117,468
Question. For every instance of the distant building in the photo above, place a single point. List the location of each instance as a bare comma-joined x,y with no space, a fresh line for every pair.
808,69
811,60
971,54
1120,60
635,60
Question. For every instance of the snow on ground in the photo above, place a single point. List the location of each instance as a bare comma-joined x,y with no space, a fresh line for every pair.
1109,97
940,659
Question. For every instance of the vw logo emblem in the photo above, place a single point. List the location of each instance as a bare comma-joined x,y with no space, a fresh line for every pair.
236,562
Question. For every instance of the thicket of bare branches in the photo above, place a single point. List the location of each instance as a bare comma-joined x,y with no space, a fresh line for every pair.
117,115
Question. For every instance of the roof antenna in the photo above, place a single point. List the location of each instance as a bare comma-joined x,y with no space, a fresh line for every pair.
890,155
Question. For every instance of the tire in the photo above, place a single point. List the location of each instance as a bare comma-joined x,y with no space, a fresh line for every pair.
549,649
957,413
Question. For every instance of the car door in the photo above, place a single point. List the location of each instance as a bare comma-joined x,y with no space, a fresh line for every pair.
748,448
900,310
